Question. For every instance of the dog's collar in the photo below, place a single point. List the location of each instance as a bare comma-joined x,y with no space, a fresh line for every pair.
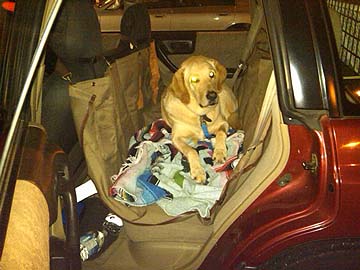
203,119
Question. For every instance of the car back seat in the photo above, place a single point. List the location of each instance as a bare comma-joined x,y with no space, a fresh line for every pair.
188,233
250,95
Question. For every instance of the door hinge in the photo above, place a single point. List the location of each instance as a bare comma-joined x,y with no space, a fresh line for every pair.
311,165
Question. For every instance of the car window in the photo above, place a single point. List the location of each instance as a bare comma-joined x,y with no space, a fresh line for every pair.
345,18
187,3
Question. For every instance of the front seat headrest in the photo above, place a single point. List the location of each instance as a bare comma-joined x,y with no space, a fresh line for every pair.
135,25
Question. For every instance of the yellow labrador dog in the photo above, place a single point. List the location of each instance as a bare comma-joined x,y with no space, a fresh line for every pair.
198,96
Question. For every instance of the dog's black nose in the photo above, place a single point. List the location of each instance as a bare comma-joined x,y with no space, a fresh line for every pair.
211,95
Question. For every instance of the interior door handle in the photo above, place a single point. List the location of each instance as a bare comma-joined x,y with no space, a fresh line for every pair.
223,14
179,46
159,15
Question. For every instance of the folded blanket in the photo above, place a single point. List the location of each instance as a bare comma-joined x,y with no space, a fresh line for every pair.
156,172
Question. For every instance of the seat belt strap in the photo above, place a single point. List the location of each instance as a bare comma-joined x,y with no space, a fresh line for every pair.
253,152
36,93
249,47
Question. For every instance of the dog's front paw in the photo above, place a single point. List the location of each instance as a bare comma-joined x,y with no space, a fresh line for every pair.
219,155
198,174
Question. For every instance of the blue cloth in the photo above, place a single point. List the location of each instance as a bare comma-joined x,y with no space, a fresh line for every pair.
151,192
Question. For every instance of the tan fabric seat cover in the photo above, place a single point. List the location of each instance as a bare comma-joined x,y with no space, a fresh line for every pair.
106,113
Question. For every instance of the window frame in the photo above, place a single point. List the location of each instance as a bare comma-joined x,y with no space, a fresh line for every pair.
284,43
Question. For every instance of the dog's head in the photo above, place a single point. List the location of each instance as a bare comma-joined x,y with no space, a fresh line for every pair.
201,78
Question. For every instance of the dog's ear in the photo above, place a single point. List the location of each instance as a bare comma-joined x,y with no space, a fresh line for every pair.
178,86
221,71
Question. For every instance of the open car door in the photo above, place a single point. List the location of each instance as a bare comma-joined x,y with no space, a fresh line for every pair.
33,173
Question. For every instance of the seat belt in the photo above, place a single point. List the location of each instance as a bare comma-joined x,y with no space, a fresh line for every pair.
254,151
234,82
36,93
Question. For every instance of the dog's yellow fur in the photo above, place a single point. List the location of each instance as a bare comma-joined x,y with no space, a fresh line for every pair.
187,99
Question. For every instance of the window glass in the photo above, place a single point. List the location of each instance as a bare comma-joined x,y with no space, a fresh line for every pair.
159,4
191,3
345,18
187,3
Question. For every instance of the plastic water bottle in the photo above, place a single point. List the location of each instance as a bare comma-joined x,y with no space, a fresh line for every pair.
91,243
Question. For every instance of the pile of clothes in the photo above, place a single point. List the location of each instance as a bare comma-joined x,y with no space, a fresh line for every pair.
156,172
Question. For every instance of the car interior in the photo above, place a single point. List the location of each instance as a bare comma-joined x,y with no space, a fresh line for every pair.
184,241
143,63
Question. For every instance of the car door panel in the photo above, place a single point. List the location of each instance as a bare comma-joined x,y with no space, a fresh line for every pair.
160,21
110,20
204,21
173,43
179,46
223,46
174,47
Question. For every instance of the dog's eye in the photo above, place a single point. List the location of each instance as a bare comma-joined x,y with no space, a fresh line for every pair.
212,74
194,79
